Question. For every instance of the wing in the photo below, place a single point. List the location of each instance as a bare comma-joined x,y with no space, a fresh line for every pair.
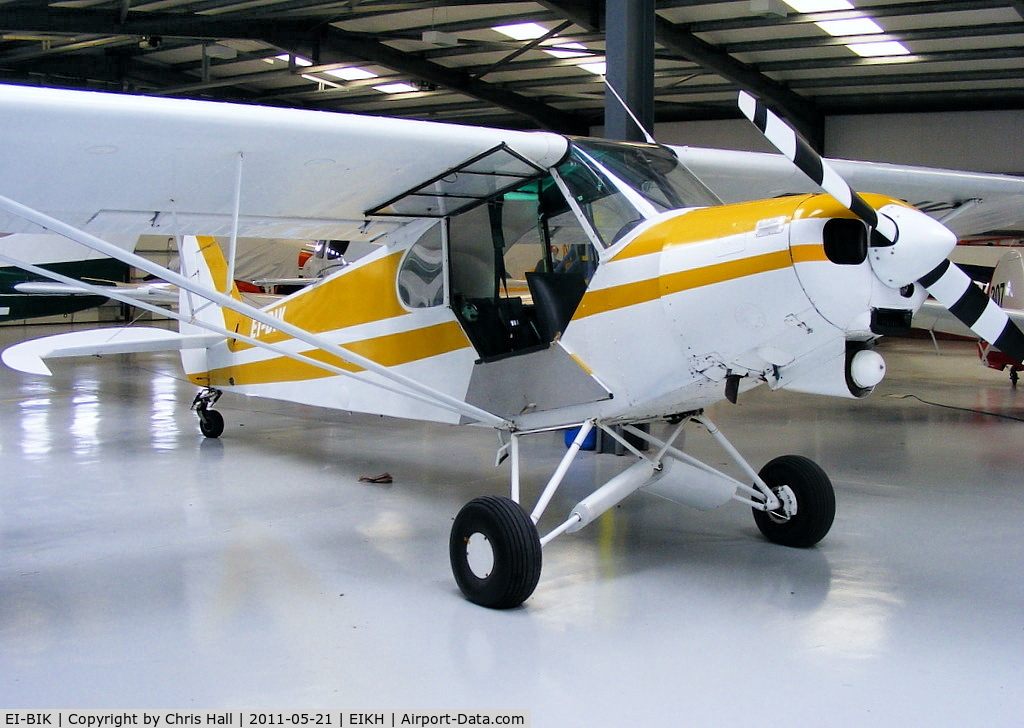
109,163
159,293
968,203
933,316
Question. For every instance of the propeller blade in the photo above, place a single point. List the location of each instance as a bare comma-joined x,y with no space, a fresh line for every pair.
784,138
899,264
955,290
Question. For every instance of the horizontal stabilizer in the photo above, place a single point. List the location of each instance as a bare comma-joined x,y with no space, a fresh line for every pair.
28,356
159,293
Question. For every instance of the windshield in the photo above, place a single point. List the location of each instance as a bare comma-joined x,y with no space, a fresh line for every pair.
653,171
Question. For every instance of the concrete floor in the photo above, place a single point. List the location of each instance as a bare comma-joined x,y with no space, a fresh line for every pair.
144,567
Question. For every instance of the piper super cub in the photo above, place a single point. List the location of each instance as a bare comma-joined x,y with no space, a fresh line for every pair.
522,281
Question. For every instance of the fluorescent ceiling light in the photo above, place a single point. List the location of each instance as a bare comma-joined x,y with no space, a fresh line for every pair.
352,73
567,49
853,26
882,48
395,88
299,60
598,69
522,31
849,27
320,80
561,51
819,6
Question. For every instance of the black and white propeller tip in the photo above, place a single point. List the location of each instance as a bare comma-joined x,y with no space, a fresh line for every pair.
795,148
954,289
898,262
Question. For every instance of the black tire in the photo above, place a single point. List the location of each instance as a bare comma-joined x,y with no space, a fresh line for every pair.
211,423
514,570
815,502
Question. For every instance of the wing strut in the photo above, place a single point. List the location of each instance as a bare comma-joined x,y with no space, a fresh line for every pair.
233,244
91,241
123,297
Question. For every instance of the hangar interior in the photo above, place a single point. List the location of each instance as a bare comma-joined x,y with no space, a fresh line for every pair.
146,566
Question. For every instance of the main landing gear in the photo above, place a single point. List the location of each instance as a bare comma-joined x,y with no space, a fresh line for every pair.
211,422
496,550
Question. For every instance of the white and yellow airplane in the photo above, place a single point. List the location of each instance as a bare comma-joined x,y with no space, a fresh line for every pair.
522,281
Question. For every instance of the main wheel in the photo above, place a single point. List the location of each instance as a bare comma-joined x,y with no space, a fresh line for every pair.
211,423
495,552
808,502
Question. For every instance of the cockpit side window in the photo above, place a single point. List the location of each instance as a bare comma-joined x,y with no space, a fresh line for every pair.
421,277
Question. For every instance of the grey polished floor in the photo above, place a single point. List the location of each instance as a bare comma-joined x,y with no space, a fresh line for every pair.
145,567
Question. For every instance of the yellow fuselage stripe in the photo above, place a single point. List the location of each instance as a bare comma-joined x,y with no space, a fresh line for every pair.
710,223
631,294
389,350
362,295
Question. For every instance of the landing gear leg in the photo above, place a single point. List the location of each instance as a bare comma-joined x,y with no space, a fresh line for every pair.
494,545
211,422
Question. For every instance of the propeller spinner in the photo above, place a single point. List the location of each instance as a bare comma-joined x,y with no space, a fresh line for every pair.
906,246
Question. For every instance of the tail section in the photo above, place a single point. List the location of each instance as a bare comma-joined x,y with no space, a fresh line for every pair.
1007,287
1007,290
203,262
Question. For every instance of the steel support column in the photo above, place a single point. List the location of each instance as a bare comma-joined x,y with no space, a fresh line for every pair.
629,38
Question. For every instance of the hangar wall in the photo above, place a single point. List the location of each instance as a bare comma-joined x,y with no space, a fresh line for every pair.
981,141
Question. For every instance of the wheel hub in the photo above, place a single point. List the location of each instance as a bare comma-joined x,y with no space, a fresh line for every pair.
788,507
480,555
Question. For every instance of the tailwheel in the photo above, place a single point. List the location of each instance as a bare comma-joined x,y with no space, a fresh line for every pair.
808,502
495,552
211,423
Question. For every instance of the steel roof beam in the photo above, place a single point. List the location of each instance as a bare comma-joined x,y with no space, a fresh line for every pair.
337,43
291,35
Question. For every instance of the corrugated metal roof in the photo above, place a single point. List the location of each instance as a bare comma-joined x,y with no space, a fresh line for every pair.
455,66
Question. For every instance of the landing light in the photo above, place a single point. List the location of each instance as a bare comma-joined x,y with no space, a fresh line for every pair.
867,368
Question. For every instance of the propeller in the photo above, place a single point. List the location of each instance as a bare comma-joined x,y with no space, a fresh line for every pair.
905,245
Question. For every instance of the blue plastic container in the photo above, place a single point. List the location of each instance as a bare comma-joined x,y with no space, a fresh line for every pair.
589,442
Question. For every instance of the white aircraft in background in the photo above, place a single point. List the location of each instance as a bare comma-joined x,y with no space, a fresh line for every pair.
1006,289
522,281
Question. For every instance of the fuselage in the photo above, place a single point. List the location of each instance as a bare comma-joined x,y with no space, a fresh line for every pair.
609,287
